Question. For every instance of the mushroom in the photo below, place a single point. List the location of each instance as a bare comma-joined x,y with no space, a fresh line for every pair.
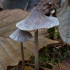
21,36
37,20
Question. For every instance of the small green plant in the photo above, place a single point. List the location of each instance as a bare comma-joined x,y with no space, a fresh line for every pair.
53,33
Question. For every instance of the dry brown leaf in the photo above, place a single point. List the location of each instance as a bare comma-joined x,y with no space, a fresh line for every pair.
28,68
9,18
10,51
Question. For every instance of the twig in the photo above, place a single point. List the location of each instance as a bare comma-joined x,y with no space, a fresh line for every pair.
26,5
41,64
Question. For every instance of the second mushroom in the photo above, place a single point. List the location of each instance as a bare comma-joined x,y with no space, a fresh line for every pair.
21,36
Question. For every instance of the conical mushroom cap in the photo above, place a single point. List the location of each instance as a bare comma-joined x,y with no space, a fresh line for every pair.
20,35
37,20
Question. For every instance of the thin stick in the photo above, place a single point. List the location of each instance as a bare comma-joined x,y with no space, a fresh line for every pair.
26,5
22,54
36,51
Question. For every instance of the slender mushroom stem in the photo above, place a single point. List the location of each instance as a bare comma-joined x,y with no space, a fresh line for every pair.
36,51
22,54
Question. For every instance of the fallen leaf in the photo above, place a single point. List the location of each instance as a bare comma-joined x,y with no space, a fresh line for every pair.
8,20
28,68
64,27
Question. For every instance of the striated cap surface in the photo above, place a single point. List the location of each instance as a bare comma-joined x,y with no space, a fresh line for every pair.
20,36
37,20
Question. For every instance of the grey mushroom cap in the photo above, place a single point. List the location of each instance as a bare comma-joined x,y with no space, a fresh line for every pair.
21,36
37,20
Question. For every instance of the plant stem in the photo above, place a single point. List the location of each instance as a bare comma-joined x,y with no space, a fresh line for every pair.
36,51
22,54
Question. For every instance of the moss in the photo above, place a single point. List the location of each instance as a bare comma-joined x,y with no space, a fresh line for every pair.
51,54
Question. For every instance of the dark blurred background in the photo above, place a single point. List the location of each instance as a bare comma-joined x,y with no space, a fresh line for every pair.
18,4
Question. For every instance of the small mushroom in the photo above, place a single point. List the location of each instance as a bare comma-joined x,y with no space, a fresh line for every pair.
37,20
21,36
